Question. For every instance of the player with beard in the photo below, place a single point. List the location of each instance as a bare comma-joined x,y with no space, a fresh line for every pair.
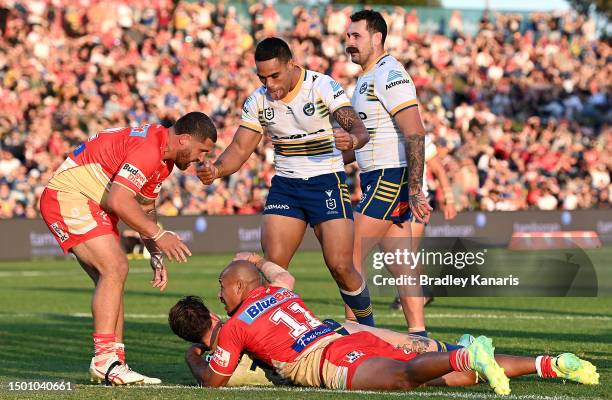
117,175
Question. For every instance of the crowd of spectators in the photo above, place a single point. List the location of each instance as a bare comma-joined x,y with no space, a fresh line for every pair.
520,112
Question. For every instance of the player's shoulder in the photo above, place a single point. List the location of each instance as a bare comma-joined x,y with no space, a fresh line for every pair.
389,68
256,96
320,81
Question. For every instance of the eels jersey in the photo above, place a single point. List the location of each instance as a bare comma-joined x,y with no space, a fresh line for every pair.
300,125
131,157
273,325
383,90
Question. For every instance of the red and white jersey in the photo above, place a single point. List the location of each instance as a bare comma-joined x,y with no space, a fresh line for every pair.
273,324
131,157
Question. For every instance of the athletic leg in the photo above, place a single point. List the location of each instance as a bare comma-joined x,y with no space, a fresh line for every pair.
280,238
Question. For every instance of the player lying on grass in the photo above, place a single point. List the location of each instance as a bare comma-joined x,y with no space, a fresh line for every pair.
272,324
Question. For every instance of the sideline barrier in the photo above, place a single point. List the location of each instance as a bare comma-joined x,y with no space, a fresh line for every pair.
554,240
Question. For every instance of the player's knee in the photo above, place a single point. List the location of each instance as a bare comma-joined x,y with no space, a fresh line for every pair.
115,268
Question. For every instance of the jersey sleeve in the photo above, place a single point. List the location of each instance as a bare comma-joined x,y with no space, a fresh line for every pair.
229,348
430,148
250,114
137,168
395,90
332,94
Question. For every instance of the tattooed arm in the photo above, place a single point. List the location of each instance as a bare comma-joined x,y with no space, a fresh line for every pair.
355,135
409,122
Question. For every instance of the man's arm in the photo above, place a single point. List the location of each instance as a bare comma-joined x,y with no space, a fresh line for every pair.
409,122
160,274
200,369
355,134
449,200
274,273
243,145
122,202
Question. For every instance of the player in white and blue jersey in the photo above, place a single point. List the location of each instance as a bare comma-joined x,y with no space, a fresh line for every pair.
298,110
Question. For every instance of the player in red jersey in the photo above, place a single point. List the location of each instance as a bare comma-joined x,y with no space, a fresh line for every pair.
116,175
272,324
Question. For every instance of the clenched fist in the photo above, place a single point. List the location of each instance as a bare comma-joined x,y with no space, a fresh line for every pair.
344,140
207,172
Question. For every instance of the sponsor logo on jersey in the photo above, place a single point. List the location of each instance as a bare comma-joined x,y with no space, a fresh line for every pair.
221,357
363,115
335,86
259,307
394,75
140,131
331,204
340,93
353,356
309,109
133,175
59,232
157,188
363,88
276,207
269,113
400,82
401,208
310,337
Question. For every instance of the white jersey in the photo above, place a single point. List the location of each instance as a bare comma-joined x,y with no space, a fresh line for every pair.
383,90
300,125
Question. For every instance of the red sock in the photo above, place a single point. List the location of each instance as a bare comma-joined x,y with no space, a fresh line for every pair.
104,343
544,367
459,360
120,351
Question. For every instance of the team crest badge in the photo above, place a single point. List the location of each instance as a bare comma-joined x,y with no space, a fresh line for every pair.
353,356
269,113
363,87
309,109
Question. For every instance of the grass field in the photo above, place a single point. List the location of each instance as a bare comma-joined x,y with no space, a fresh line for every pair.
45,331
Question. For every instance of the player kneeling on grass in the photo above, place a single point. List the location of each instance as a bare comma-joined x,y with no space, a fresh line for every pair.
116,175
272,324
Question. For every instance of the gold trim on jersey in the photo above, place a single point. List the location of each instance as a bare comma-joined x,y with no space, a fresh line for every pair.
321,145
370,95
407,104
342,187
251,126
398,187
373,63
321,108
294,92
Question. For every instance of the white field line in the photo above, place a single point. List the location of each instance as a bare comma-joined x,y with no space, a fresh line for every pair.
341,316
445,394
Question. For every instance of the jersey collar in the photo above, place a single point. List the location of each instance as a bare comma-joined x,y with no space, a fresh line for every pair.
291,95
373,63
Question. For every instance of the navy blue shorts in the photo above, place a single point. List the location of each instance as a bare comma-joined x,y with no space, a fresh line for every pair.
314,200
384,194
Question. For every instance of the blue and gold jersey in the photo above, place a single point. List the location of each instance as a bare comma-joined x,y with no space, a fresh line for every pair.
300,125
383,90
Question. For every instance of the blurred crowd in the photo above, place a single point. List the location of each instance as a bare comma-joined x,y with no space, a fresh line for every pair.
520,111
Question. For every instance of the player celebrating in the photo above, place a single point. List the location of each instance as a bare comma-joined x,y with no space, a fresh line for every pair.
297,108
117,174
272,324
385,99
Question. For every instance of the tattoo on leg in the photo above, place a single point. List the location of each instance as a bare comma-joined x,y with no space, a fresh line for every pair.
415,344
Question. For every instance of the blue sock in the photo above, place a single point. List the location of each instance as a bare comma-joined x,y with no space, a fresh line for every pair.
419,333
359,302
446,347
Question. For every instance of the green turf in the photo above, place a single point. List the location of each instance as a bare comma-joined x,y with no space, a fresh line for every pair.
45,333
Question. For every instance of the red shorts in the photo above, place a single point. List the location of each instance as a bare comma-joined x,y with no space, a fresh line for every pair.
350,351
74,219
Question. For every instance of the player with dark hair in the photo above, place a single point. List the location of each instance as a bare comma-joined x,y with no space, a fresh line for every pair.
298,109
272,324
392,162
117,175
